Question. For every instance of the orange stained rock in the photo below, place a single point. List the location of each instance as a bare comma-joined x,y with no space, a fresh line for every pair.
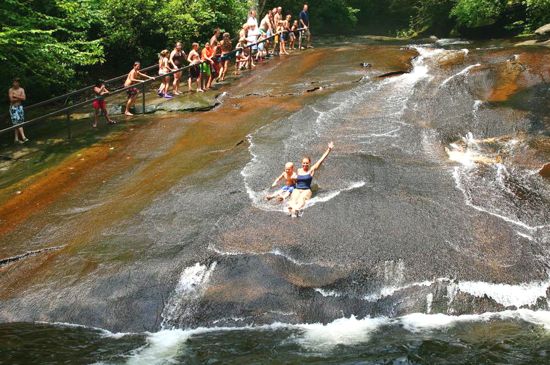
40,191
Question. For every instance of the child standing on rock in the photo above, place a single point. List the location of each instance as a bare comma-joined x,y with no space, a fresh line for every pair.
99,103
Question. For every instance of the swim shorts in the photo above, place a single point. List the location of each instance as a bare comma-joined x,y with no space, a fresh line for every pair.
205,69
99,104
17,114
132,92
194,72
288,188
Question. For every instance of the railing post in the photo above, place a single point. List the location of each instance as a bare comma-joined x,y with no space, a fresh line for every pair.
143,97
69,134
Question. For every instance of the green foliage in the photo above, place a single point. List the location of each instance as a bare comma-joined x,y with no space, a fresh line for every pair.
195,20
432,16
132,29
142,28
538,13
49,40
328,16
477,13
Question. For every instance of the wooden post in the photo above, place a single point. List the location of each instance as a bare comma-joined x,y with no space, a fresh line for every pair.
143,97
69,134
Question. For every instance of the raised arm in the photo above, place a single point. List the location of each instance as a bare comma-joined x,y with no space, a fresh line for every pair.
318,163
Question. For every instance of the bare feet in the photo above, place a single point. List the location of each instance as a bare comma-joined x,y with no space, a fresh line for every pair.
200,90
128,114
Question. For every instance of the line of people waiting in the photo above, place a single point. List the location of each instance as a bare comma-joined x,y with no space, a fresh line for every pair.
274,35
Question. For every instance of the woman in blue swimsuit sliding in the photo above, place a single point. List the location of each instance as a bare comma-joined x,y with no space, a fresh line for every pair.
302,191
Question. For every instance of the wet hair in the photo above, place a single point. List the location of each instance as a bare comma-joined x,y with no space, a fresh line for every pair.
137,63
164,53
306,158
99,82
226,35
16,79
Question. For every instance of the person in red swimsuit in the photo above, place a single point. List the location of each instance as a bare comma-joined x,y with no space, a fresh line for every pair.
99,102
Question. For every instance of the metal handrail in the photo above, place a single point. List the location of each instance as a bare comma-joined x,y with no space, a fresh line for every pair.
68,109
79,91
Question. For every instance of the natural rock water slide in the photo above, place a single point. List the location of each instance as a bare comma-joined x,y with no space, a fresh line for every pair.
429,215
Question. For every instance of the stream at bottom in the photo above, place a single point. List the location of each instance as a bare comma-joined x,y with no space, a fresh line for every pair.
509,337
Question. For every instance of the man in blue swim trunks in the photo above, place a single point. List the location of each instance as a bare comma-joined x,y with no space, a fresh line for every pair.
290,182
304,23
17,96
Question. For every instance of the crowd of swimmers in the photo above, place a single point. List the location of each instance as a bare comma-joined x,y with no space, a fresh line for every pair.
275,34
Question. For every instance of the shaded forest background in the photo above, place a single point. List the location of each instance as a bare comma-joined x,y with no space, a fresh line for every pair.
58,45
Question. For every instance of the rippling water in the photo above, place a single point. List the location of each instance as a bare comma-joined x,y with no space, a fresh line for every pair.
425,243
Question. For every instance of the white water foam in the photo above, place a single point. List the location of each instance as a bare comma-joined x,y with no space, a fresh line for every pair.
461,73
470,155
326,196
451,41
506,294
388,291
163,347
191,285
429,301
275,252
419,322
468,201
348,331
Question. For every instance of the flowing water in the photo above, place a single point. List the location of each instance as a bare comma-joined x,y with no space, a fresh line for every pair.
426,241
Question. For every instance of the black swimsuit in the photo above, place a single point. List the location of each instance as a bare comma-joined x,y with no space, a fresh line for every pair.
178,59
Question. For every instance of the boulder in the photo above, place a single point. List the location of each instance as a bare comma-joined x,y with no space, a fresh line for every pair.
543,33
